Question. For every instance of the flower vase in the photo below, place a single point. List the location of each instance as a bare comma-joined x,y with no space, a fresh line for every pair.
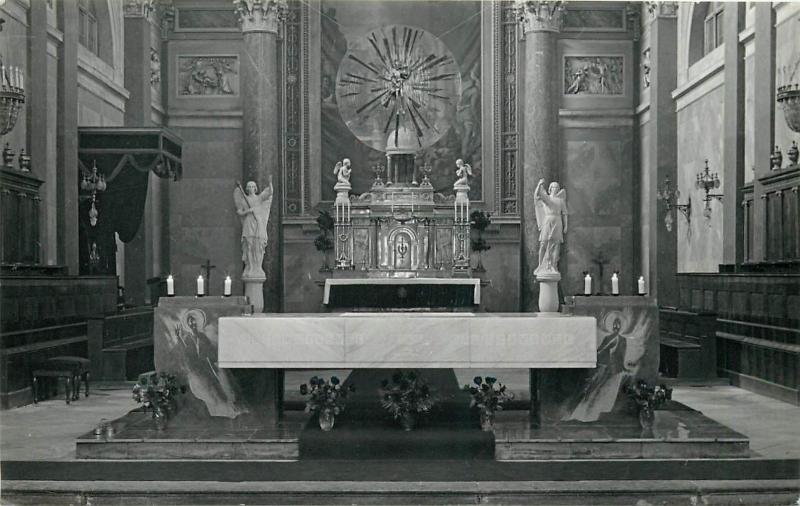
487,421
408,420
326,419
160,418
647,417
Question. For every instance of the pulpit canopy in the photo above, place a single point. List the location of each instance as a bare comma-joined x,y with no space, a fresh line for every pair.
144,149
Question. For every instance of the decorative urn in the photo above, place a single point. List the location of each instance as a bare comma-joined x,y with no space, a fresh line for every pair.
776,159
792,153
8,156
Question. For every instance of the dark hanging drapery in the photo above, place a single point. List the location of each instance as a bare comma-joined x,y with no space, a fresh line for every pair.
125,156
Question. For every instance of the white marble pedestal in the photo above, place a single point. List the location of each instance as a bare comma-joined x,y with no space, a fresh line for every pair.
254,290
548,292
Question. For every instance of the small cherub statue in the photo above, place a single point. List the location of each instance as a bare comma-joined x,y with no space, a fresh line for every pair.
342,171
463,172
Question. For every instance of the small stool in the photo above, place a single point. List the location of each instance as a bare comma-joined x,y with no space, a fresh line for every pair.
66,373
79,365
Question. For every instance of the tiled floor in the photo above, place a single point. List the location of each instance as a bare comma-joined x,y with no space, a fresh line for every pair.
47,431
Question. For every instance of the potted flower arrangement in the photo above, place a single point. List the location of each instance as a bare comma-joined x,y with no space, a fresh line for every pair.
157,391
405,397
323,242
480,221
326,399
488,395
647,398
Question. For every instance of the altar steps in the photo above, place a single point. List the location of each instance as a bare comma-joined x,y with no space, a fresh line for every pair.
750,492
646,482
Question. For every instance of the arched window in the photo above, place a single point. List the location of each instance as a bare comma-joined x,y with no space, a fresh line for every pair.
706,29
712,27
87,25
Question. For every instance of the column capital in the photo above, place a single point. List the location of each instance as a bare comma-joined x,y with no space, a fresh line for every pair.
662,9
260,15
139,8
540,16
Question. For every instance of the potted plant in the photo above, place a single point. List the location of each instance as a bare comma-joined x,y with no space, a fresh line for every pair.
157,391
647,398
326,399
480,221
488,395
323,242
405,397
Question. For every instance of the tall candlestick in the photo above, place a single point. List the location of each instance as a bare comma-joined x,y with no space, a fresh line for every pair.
227,291
614,284
170,286
642,290
200,286
587,284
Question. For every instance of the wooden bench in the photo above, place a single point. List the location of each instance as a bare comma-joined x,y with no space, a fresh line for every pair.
687,344
80,366
121,345
67,374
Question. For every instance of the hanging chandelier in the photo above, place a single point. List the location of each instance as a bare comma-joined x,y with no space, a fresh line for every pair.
12,96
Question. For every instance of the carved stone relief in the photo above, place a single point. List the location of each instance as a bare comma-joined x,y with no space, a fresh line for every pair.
593,75
208,75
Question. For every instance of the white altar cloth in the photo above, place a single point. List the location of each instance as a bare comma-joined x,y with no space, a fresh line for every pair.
475,282
407,340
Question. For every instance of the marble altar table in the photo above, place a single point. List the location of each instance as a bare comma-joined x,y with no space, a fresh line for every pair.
407,340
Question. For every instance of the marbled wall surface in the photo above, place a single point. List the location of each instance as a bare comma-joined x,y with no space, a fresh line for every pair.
646,174
699,139
749,96
203,221
627,348
598,177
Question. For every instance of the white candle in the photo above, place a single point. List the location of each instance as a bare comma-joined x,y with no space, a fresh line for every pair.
200,285
227,290
641,285
170,285
587,284
614,284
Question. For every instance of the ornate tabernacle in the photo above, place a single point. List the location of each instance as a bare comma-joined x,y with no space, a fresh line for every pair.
401,228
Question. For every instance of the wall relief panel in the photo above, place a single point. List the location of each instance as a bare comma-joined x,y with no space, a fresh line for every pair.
594,75
208,76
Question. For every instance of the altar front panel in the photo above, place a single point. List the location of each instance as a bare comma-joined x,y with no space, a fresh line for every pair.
430,340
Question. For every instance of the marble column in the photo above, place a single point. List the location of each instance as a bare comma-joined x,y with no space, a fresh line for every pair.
540,23
663,150
67,138
138,113
763,119
261,154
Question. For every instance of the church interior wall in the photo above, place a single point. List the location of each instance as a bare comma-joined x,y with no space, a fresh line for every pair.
646,173
699,139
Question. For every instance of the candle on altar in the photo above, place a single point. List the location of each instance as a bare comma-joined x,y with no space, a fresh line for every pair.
587,284
641,285
170,285
200,286
614,284
227,290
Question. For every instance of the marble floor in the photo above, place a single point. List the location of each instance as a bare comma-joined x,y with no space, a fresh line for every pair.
47,431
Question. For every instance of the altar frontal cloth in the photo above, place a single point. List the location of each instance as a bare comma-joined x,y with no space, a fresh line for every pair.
411,340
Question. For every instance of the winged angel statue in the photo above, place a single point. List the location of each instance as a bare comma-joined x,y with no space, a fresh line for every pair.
253,209
342,171
551,217
463,172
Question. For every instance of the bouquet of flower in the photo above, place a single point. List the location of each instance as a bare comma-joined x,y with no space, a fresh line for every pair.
157,391
325,395
487,394
646,396
406,394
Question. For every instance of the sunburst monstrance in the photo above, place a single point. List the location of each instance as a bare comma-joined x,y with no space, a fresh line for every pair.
398,77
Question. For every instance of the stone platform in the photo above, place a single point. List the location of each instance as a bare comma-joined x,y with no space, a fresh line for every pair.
677,434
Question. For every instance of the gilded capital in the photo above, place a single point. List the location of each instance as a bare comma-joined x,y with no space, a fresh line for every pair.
662,9
260,15
540,16
139,8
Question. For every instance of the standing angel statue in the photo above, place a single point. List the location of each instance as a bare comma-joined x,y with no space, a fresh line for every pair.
253,209
342,171
551,217
463,172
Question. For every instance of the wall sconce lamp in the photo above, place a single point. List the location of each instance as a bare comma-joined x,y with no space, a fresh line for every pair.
670,198
93,183
707,181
